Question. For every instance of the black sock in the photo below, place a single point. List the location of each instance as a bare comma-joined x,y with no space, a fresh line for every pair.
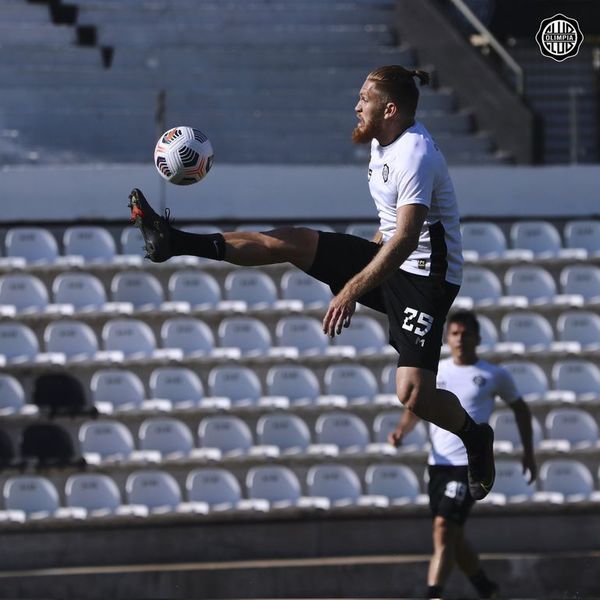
468,433
482,584
434,591
211,245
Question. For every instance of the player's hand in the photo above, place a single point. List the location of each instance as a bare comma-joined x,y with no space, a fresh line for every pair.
395,438
339,314
528,463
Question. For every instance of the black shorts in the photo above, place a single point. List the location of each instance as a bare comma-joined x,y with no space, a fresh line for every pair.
416,305
448,490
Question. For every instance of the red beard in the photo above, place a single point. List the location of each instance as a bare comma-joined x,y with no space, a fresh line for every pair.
363,134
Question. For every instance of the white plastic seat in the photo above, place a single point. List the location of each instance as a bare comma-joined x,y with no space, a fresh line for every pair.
107,438
579,326
92,243
157,490
385,422
575,425
297,285
240,384
132,242
530,379
365,334
541,237
117,387
581,377
568,477
356,382
82,290
25,292
18,342
304,333
75,339
34,244
132,337
583,233
487,332
227,433
534,283
398,483
276,484
338,483
297,383
485,238
511,481
12,394
34,495
347,431
527,328
583,280
97,493
252,286
217,487
178,384
171,437
248,334
192,336
388,379
481,285
143,290
286,431
363,230
200,289
505,428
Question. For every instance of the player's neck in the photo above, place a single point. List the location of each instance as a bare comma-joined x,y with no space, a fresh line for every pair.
465,360
395,131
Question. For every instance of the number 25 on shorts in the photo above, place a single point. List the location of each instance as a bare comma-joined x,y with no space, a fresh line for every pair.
423,321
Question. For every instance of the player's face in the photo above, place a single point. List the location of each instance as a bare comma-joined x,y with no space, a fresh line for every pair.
369,111
462,340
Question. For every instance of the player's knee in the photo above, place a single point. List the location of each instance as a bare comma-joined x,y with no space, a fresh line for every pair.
412,396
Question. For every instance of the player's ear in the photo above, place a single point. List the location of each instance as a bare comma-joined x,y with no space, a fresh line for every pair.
391,110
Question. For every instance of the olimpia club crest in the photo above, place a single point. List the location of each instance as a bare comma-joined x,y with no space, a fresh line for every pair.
559,37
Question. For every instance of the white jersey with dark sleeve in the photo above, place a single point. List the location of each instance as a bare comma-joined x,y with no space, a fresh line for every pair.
476,387
412,170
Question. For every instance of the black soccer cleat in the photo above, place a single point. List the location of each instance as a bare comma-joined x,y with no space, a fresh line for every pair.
156,230
481,472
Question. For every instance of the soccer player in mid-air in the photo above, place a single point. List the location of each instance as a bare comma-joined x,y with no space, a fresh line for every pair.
412,272
477,383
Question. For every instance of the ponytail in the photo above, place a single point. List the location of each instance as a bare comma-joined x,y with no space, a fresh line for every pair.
422,76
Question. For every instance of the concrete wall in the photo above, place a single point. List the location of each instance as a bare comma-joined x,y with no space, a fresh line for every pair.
309,193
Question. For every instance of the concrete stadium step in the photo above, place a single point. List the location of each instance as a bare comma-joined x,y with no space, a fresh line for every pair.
36,33
24,13
50,54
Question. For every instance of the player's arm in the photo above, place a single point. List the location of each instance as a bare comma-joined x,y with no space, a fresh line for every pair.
407,423
523,420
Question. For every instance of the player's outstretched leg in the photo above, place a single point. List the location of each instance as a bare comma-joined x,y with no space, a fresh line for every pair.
480,452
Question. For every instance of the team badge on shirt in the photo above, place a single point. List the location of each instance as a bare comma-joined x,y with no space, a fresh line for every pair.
385,172
479,381
369,174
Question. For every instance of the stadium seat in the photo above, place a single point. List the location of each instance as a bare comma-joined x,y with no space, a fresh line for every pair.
192,336
18,343
248,334
541,237
143,290
297,285
581,233
505,429
94,244
276,484
200,289
96,493
132,242
48,444
530,379
366,335
535,283
286,431
25,292
485,238
338,483
356,382
75,339
363,230
347,431
511,481
575,425
386,422
178,384
398,483
34,495
12,395
527,328
240,384
157,490
118,388
388,379
34,244
171,437
581,377
59,394
217,487
481,285
227,433
297,383
304,333
568,477
82,290
583,280
252,286
579,326
487,332
132,337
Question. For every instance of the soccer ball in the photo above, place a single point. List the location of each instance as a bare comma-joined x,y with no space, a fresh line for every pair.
183,155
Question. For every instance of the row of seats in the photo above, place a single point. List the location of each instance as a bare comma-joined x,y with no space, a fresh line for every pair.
67,340
270,488
535,238
193,289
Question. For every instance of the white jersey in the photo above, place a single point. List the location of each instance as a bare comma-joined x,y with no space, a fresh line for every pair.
476,387
412,170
